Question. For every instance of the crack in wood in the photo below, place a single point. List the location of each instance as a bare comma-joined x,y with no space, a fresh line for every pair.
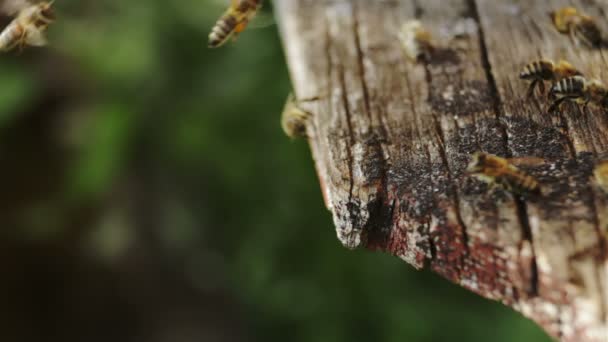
602,249
346,230
432,247
522,215
377,223
454,190
349,205
487,67
360,62
568,139
497,104
440,135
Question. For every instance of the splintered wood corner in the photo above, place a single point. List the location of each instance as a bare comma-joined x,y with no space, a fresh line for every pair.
391,140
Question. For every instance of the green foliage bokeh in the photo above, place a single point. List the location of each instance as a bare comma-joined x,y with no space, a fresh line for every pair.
237,198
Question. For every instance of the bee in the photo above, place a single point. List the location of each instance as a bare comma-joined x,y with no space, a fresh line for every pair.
233,21
600,173
294,119
545,70
416,40
579,26
29,26
579,90
497,170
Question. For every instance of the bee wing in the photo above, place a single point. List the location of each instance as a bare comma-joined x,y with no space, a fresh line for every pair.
527,161
12,7
36,38
261,20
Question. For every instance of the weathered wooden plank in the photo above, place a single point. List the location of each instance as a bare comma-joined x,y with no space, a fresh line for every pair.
391,140
564,226
461,105
396,129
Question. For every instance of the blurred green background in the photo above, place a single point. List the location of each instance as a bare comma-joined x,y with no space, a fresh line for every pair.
149,194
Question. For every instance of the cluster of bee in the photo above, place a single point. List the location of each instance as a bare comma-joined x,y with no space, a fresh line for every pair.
29,25
568,83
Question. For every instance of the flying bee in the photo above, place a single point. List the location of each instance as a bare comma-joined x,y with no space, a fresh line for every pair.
29,26
563,18
496,170
293,119
545,70
233,21
416,40
600,173
579,90
579,26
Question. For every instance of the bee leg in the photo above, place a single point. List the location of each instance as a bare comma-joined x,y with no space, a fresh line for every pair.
572,35
585,106
237,30
500,184
555,105
530,91
541,86
21,43
240,27
551,95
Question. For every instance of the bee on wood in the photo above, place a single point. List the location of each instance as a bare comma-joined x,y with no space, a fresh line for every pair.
600,173
545,70
579,26
294,119
416,41
233,21
580,90
500,171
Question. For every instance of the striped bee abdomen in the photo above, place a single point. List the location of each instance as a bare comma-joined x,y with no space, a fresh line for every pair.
541,70
524,183
222,30
10,36
569,86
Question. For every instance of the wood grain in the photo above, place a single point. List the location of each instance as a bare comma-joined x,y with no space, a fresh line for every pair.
391,140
